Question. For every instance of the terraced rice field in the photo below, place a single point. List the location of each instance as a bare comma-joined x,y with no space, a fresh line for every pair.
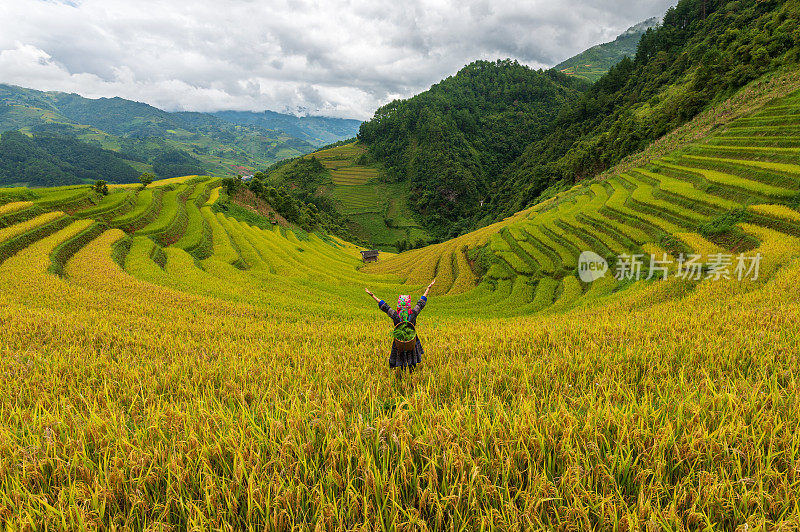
341,162
670,199
357,199
377,212
112,206
350,179
170,367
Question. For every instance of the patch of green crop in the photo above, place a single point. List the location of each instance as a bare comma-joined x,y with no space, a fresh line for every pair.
722,223
404,332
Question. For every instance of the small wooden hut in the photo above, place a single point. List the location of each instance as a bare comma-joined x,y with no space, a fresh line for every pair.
370,255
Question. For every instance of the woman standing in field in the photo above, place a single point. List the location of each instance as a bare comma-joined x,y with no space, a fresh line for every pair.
404,313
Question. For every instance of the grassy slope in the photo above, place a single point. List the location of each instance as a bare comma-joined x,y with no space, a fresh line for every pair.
592,63
247,386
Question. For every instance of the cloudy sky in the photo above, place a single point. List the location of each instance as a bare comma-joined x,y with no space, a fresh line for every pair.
332,58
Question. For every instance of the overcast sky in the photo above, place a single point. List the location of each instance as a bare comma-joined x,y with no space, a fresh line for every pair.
332,58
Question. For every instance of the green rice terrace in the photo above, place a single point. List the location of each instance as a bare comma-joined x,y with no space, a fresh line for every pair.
730,193
678,204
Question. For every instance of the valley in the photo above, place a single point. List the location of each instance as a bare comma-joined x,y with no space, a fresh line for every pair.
233,345
611,341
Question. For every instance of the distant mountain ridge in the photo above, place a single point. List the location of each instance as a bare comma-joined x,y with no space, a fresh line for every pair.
316,130
593,62
116,113
140,133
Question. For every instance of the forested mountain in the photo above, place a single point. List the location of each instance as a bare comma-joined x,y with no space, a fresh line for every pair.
451,140
44,160
316,130
143,133
703,52
492,139
592,63
116,116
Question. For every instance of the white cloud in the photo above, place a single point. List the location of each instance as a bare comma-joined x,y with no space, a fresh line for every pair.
334,58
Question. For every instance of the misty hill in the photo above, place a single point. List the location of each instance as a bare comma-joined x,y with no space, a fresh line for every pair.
592,63
316,130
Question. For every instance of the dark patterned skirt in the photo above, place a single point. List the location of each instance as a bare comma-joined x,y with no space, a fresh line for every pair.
406,359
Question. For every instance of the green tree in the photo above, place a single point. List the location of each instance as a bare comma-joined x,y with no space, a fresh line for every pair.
231,184
101,187
146,178
257,186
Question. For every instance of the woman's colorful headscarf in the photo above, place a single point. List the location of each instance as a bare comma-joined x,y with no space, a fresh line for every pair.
403,307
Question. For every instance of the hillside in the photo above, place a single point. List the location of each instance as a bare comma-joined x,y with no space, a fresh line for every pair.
702,53
593,63
448,142
720,195
158,354
373,209
141,133
680,68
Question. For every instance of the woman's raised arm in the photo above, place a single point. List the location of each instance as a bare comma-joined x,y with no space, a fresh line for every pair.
429,288
367,290
422,301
